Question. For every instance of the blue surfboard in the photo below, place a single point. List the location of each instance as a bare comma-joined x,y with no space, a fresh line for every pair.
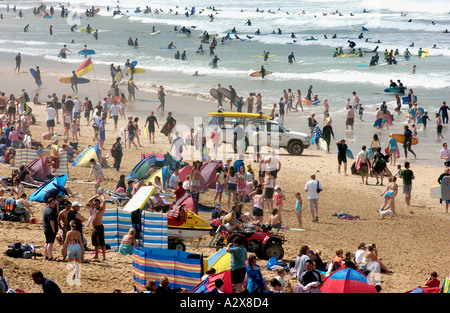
349,154
33,73
88,52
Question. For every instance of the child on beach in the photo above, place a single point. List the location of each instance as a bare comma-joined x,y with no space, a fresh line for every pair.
298,209
278,199
361,112
275,219
414,130
220,182
67,122
74,128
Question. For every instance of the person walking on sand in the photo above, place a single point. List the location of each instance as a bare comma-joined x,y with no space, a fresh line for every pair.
18,60
407,176
313,187
98,234
162,99
363,156
389,196
50,226
408,142
151,121
342,156
73,243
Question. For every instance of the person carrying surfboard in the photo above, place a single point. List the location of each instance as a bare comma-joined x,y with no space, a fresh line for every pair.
262,71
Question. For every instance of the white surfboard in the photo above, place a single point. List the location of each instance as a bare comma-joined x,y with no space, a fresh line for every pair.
123,140
322,144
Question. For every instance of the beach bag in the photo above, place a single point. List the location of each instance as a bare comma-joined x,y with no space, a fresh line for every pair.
318,187
380,164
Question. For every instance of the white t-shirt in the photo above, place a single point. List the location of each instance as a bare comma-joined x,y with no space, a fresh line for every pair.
173,181
446,154
51,113
311,188
76,105
363,156
359,255
115,110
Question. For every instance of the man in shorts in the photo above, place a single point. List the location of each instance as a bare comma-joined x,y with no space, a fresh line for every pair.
364,166
50,227
151,121
342,155
98,234
407,176
312,187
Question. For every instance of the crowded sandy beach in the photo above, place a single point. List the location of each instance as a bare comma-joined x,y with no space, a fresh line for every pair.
411,239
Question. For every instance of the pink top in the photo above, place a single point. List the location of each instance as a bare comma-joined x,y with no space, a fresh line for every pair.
14,135
257,202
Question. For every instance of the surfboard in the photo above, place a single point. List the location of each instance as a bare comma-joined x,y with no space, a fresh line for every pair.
118,77
210,36
240,115
445,188
315,102
401,139
137,70
435,191
84,29
349,154
405,100
214,93
88,52
68,80
258,74
123,139
145,132
394,89
226,92
424,53
306,101
322,144
261,56
389,118
155,33
33,73
420,120
310,39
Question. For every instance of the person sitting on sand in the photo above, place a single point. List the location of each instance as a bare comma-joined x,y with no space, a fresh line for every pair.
128,242
372,262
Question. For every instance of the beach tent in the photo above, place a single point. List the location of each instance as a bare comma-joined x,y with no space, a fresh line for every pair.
140,198
184,171
163,174
141,169
83,158
189,201
220,261
161,159
40,169
57,182
63,168
183,269
347,280
209,283
209,173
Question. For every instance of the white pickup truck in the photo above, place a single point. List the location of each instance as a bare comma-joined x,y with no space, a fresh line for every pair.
270,132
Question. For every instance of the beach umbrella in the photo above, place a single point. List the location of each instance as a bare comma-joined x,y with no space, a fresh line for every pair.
348,280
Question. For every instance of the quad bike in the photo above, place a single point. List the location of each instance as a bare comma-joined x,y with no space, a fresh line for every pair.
261,241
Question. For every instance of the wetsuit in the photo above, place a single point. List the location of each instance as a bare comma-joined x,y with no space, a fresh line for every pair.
443,111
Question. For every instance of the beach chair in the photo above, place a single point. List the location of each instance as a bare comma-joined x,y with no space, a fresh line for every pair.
117,198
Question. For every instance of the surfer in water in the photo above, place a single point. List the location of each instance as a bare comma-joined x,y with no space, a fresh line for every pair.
262,71
291,58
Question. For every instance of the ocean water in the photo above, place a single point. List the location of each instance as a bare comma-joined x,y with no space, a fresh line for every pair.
333,79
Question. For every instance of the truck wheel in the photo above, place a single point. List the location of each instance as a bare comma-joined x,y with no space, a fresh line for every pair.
274,249
295,148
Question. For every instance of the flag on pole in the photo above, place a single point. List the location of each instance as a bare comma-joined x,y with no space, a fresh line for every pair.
85,68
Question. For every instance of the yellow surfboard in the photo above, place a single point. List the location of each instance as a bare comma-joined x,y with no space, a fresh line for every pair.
137,70
240,115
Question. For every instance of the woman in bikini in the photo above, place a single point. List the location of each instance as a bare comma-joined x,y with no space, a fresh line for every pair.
220,182
74,243
196,177
241,184
299,100
389,195
278,200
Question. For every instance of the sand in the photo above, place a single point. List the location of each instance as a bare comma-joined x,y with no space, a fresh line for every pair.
412,245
